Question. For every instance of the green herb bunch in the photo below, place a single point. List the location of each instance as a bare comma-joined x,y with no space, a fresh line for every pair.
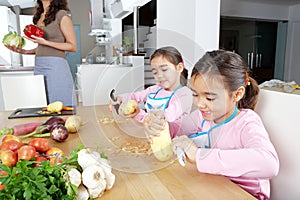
45,182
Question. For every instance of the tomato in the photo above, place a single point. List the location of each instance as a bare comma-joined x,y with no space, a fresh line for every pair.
11,137
26,152
8,157
11,145
1,174
38,160
40,144
52,153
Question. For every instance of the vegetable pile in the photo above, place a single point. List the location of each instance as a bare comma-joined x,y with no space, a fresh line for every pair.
55,107
55,127
32,29
39,171
13,39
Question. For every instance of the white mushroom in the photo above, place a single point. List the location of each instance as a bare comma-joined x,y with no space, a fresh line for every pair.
93,176
82,193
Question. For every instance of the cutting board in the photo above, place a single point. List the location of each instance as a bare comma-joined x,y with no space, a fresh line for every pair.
34,112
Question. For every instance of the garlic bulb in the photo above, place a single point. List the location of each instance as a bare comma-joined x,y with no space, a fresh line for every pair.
92,176
85,158
82,193
74,177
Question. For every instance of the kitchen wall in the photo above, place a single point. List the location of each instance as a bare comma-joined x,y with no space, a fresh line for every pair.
80,15
191,27
248,9
292,61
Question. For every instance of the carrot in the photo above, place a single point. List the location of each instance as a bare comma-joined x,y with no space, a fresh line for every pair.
67,108
21,129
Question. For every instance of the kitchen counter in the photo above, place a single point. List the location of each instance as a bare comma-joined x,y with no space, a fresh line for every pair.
15,69
170,182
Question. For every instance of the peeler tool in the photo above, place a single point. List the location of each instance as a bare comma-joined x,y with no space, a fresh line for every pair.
181,156
114,99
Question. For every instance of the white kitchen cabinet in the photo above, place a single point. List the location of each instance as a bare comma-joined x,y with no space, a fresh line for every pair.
7,73
95,81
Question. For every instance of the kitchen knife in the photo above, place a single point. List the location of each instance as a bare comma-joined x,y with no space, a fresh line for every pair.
114,99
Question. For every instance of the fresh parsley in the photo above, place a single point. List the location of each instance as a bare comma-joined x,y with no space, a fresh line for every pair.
45,182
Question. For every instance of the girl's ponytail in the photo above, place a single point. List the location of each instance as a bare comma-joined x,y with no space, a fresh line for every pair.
251,95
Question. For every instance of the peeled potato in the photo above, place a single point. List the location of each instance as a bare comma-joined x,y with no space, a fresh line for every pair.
55,107
162,145
128,107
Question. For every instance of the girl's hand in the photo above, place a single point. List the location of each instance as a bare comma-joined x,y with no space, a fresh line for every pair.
187,145
154,123
132,115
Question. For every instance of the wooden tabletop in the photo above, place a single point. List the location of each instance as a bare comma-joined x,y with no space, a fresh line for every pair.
139,176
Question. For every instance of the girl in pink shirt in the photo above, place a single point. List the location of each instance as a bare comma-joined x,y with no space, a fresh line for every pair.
224,135
169,94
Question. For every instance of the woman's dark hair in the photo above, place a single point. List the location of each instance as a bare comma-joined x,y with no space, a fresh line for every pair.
173,56
54,7
234,72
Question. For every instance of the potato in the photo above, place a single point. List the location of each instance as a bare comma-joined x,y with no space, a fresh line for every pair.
73,123
55,107
128,107
162,145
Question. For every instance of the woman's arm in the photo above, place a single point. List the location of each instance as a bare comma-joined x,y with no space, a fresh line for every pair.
22,51
67,29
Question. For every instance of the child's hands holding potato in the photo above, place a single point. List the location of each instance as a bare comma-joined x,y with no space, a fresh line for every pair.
129,109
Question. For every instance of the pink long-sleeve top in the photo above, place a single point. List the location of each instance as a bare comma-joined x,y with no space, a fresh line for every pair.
240,150
179,106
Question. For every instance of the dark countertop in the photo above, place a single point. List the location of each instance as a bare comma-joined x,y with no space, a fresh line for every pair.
15,69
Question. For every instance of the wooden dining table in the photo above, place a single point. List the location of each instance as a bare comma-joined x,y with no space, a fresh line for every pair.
161,181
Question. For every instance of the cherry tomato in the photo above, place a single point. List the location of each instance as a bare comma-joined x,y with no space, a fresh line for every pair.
11,145
1,174
40,144
52,153
26,152
8,157
11,137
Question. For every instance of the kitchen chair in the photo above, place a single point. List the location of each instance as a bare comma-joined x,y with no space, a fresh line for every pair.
280,113
23,91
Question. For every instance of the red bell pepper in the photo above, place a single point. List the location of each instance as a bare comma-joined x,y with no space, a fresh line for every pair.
32,29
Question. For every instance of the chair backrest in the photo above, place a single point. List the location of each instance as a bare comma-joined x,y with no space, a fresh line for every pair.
280,113
26,91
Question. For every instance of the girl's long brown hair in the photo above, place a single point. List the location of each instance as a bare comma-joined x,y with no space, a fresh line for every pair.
234,72
173,56
54,7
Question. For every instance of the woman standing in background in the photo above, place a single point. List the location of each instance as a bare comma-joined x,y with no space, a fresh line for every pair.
50,60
